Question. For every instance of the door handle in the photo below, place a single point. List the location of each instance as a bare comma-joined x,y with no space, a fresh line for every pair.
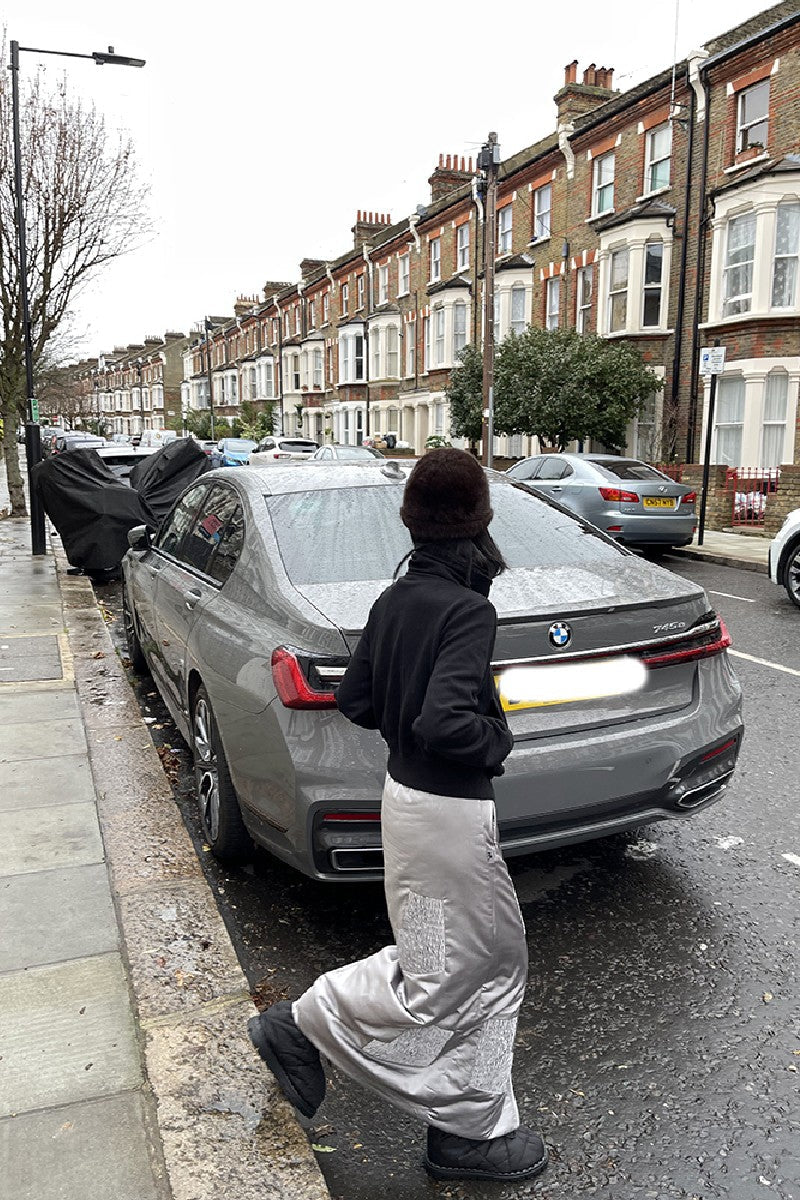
191,597
556,487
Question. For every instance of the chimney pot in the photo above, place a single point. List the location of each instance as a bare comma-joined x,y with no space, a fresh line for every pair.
590,75
609,78
441,160
570,72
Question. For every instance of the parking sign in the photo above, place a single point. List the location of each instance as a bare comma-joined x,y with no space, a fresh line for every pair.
712,360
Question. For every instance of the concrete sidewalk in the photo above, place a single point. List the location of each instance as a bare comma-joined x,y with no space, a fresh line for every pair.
125,1068
746,551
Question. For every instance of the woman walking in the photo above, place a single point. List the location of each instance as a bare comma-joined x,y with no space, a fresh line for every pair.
429,1022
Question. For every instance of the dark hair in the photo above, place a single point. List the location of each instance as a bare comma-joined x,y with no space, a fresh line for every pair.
487,556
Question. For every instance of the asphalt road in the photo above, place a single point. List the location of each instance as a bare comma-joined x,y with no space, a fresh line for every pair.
659,1042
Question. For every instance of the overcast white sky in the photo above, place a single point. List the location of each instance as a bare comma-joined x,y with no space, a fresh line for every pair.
262,127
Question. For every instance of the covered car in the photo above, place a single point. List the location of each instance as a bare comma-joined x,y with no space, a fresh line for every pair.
162,476
91,509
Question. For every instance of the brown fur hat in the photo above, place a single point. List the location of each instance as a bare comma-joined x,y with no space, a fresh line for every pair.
447,496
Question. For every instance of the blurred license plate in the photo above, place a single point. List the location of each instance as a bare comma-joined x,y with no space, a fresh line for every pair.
658,502
568,683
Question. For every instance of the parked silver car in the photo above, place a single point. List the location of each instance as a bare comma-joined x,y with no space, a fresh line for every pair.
249,601
628,499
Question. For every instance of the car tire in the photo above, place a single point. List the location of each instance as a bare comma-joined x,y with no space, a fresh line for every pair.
791,574
218,806
135,651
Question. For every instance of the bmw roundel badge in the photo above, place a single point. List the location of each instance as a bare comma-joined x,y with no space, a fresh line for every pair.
560,635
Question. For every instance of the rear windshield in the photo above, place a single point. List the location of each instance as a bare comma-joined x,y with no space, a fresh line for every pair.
354,452
308,447
238,445
627,468
356,533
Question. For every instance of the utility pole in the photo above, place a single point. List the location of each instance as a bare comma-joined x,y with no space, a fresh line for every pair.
208,328
489,162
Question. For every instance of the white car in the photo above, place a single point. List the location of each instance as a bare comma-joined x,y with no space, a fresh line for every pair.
282,449
784,557
122,459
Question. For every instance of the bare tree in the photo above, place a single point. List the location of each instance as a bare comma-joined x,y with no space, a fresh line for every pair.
83,207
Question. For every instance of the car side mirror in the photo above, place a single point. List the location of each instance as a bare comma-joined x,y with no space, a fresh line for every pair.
140,537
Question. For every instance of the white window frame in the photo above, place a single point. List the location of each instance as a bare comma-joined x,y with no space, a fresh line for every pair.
505,228
375,346
520,294
795,255
392,352
742,300
411,348
600,190
344,298
434,260
459,327
552,302
774,423
542,214
462,246
438,335
383,284
403,274
360,291
318,377
652,161
426,345
583,307
618,291
326,307
744,127
652,288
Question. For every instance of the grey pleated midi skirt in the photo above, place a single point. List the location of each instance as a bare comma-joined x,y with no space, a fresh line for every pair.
429,1023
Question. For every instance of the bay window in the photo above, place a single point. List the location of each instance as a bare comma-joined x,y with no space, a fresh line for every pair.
653,266
739,259
392,352
618,292
787,248
438,335
518,309
773,428
729,420
459,327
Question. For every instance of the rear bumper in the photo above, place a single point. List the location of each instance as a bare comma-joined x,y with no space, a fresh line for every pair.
667,528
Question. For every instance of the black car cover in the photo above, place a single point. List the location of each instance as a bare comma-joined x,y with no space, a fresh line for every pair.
91,509
161,477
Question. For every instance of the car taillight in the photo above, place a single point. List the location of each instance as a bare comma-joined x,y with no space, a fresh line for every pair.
616,496
714,642
280,454
334,817
292,686
689,498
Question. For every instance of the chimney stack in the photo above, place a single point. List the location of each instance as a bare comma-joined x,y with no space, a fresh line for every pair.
368,226
452,172
576,99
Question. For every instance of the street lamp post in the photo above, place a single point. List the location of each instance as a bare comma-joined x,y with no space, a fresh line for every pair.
33,434
489,163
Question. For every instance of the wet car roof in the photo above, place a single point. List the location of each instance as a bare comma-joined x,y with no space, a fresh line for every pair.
279,480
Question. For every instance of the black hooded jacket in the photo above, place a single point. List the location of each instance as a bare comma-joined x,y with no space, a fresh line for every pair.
420,674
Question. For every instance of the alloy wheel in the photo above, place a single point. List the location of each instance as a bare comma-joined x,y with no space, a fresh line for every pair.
793,576
206,770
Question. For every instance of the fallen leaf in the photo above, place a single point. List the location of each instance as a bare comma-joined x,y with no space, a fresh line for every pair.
767,997
99,654
358,1145
323,1149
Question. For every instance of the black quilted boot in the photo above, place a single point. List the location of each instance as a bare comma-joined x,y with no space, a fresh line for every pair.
292,1058
517,1155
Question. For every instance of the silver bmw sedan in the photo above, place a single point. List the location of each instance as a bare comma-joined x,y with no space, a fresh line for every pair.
248,602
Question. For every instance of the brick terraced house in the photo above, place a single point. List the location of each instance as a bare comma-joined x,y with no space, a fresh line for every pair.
135,387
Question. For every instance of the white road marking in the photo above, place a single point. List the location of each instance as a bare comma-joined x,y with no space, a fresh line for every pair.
794,859
763,662
727,843
730,596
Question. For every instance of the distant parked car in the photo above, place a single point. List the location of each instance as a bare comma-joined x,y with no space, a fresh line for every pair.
120,439
232,452
272,449
154,439
345,453
784,557
75,440
629,500
207,447
121,459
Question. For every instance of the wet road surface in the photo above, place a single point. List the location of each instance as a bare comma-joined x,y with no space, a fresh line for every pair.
659,1043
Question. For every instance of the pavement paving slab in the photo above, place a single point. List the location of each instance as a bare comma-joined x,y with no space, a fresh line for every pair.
36,839
42,739
44,782
37,706
67,1034
50,916
97,1150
